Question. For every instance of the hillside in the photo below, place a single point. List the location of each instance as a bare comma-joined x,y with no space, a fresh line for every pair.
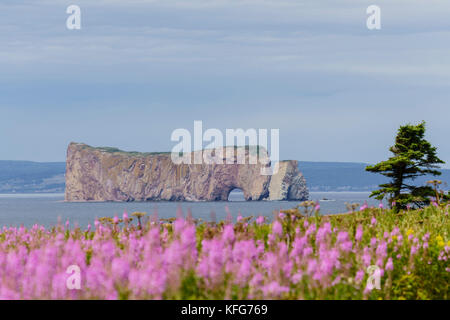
31,177
349,176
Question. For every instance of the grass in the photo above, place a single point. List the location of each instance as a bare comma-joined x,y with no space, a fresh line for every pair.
119,151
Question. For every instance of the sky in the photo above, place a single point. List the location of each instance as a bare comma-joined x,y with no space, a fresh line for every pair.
139,69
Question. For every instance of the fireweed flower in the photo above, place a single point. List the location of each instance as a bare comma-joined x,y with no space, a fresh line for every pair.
270,262
381,250
274,289
179,224
259,248
244,272
297,277
346,246
336,281
260,220
228,234
307,251
389,265
366,257
364,206
395,232
271,239
317,207
311,229
277,229
153,262
359,276
322,232
256,280
311,266
297,247
359,233
342,237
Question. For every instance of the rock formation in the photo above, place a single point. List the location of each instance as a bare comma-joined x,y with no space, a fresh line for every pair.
109,174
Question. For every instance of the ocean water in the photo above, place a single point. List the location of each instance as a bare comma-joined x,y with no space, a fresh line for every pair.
48,209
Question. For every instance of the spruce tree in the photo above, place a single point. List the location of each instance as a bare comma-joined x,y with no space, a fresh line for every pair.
413,156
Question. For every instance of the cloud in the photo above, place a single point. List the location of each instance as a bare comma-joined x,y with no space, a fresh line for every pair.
309,67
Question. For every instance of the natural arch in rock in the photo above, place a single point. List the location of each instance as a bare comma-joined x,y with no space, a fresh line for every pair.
236,194
109,174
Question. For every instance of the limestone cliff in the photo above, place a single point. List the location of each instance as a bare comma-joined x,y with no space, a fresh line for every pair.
288,183
108,174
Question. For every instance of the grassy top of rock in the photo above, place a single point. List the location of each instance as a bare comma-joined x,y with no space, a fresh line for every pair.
117,150
137,153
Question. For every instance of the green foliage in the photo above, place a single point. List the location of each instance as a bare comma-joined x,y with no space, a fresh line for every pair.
423,276
189,290
413,156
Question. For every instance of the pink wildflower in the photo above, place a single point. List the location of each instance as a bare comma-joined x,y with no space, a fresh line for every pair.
277,228
317,207
359,233
228,233
389,265
359,276
260,220
364,207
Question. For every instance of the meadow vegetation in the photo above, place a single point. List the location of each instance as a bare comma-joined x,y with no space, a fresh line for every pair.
298,254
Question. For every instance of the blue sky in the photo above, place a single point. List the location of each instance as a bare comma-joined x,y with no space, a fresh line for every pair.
137,70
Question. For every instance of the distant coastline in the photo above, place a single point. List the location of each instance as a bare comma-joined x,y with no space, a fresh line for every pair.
27,177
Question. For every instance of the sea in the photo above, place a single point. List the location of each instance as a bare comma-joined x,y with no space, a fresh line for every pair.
50,209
